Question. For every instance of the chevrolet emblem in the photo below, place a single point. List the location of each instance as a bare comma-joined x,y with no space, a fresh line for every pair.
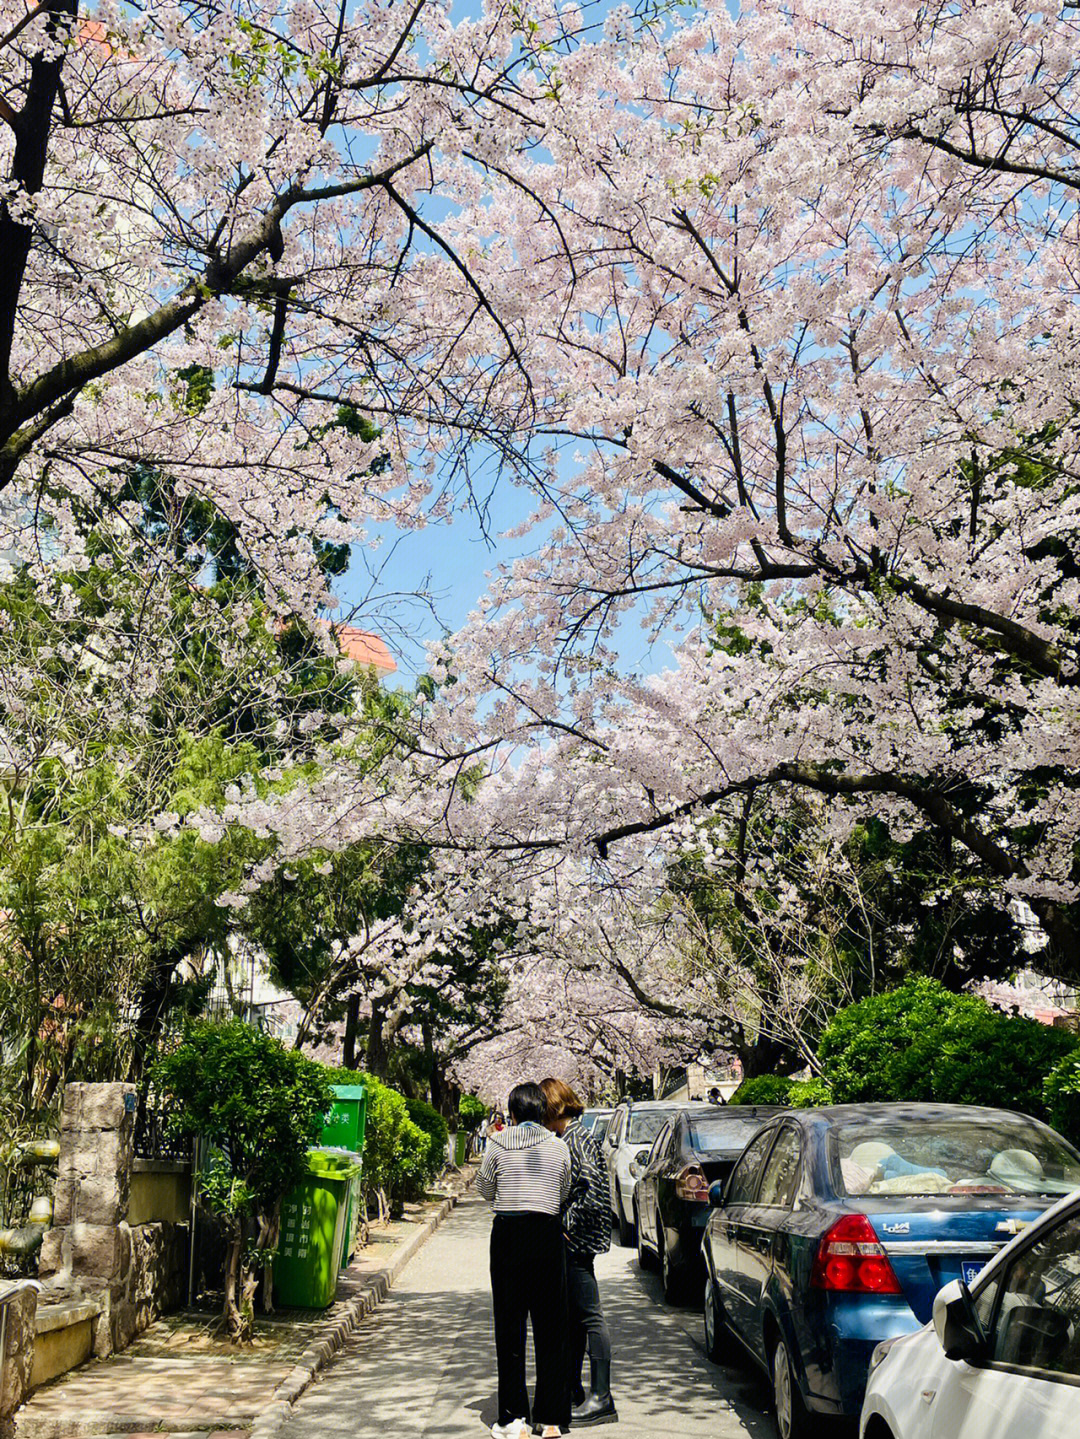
1012,1226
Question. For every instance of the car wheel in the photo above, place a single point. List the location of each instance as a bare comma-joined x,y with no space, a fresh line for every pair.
645,1257
715,1339
792,1419
627,1235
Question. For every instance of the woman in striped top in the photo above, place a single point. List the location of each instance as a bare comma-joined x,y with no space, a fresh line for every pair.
526,1171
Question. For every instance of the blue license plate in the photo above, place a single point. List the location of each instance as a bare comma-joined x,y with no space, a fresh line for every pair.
970,1269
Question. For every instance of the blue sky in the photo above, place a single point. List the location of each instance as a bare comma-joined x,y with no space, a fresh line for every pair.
449,560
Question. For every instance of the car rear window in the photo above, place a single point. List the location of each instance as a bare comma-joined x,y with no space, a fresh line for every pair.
646,1124
926,1155
722,1136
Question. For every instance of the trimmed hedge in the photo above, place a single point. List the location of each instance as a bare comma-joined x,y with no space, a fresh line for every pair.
398,1158
780,1089
922,1042
763,1089
426,1117
1061,1094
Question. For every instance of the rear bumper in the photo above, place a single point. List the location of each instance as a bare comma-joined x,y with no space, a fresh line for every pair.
856,1327
688,1236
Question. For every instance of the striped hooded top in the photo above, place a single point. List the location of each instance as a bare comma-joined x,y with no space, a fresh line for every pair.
526,1170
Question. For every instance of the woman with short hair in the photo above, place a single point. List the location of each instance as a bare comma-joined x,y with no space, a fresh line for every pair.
587,1227
526,1171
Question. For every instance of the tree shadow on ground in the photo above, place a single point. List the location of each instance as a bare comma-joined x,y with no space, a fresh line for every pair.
422,1366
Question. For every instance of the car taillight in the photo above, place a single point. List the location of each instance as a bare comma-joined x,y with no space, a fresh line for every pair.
690,1183
851,1260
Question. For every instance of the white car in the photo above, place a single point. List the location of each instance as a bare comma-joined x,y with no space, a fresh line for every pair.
633,1127
999,1361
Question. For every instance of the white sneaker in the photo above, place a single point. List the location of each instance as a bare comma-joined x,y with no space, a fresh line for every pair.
516,1429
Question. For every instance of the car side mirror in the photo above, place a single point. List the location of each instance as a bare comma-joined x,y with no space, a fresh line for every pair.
639,1163
716,1193
956,1323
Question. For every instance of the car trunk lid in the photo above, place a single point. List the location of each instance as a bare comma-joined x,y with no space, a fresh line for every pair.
931,1242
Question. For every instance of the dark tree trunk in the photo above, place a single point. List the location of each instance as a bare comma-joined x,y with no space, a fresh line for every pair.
352,1026
154,999
377,1055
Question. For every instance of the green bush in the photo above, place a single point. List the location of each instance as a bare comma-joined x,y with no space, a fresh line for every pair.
763,1089
780,1089
260,1107
1061,1095
397,1152
427,1118
809,1094
923,1043
472,1112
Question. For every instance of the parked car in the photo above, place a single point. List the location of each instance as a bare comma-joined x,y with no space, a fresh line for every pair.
594,1118
838,1227
600,1128
633,1126
694,1149
999,1361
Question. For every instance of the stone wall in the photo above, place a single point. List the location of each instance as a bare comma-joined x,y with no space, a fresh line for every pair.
134,1272
17,1317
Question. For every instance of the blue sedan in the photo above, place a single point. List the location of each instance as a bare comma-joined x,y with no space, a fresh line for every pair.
838,1227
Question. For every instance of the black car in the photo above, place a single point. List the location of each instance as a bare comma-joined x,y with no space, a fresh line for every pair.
694,1149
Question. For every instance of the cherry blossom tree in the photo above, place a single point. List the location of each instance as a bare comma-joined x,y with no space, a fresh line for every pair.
802,295
236,190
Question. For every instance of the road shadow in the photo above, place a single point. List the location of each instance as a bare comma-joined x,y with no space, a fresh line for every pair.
422,1366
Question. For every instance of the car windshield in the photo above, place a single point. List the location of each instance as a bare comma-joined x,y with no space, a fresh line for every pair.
719,1135
646,1124
928,1155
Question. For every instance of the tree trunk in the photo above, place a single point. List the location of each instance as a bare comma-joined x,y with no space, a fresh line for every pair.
352,1026
234,1322
154,998
377,1056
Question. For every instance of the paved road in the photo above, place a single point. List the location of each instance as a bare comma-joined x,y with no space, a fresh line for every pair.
422,1366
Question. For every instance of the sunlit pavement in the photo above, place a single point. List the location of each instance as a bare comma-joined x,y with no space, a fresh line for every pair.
423,1365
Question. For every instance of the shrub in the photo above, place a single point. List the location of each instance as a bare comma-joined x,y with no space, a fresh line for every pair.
780,1089
1061,1095
397,1152
471,1111
260,1107
922,1042
427,1118
809,1094
763,1089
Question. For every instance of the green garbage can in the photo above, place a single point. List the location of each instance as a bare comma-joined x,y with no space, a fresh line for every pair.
345,1127
461,1147
313,1217
347,1120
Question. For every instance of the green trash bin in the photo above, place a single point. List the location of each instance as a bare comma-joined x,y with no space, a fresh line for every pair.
313,1217
461,1147
345,1127
347,1120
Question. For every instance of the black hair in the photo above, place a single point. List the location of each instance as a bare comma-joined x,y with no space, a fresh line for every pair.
526,1103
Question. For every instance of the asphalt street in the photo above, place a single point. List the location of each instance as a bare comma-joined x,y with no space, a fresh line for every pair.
422,1366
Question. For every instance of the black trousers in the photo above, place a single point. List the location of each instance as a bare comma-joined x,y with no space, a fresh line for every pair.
528,1281
587,1326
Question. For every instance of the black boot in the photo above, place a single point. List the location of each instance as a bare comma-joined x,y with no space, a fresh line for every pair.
599,1407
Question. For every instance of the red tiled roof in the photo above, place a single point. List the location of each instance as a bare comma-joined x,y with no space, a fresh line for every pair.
365,648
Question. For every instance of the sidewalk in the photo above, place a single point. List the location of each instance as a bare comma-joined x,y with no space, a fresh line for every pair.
179,1378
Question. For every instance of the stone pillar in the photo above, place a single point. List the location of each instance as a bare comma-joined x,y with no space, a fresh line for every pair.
17,1316
97,1132
90,1242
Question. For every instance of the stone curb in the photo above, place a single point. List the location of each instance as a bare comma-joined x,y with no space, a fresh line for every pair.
371,1290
